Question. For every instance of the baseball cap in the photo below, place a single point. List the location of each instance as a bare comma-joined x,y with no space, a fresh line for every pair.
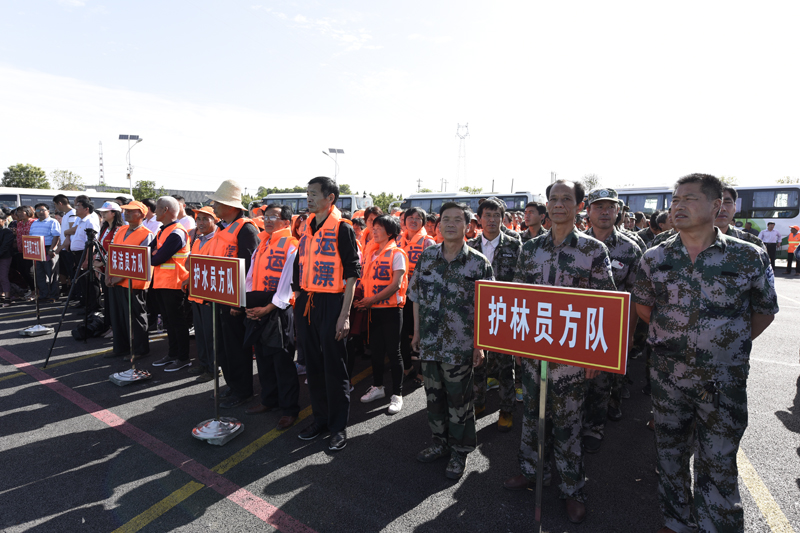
605,193
136,205
110,206
207,210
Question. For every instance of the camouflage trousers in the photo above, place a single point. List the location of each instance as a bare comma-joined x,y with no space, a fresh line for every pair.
565,395
451,413
685,422
595,407
503,365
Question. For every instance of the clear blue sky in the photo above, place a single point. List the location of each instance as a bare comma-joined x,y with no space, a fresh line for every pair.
635,92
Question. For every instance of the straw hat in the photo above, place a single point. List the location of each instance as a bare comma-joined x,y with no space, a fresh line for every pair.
229,193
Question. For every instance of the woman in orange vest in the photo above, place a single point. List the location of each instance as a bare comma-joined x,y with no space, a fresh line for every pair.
134,234
794,240
385,281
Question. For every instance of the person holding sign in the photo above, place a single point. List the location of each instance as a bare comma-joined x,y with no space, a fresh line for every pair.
603,209
443,292
134,234
564,257
47,271
502,251
706,296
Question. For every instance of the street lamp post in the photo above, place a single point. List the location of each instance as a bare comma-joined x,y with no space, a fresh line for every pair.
335,157
130,138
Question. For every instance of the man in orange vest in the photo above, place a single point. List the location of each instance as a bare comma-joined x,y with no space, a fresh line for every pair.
269,296
794,240
206,222
236,236
134,234
326,270
170,250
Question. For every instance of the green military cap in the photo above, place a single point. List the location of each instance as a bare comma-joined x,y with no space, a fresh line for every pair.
605,193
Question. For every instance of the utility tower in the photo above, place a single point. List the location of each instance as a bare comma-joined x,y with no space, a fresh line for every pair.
462,132
419,184
102,171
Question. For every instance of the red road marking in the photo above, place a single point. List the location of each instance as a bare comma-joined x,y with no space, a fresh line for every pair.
241,497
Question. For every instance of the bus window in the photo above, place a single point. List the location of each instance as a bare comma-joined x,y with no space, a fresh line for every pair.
425,204
8,200
345,204
766,202
646,203
514,203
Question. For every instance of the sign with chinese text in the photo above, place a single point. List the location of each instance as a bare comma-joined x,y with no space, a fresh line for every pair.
217,279
131,262
578,327
33,248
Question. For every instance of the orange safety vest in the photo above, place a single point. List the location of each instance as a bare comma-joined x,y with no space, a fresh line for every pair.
378,274
321,267
136,238
270,259
172,273
413,248
199,249
225,242
794,240
259,222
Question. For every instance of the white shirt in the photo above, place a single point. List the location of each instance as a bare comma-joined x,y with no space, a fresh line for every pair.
284,291
188,223
488,247
152,224
78,241
398,261
769,236
67,221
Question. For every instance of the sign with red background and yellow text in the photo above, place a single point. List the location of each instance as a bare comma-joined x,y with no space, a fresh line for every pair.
217,279
33,248
130,262
578,327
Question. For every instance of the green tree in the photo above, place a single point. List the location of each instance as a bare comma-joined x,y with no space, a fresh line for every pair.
471,190
383,200
147,189
67,181
787,180
729,180
25,176
345,189
425,189
590,181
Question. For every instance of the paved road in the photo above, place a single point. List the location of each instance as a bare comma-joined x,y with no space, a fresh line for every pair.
80,454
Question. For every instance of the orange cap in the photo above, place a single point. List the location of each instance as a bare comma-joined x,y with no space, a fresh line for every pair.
135,205
207,210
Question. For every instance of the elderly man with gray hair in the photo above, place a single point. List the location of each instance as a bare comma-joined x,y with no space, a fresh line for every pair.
170,249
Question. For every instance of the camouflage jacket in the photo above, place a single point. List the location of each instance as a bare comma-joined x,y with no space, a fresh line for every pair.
505,257
742,235
509,232
647,235
701,318
625,254
634,236
579,261
662,237
526,235
445,292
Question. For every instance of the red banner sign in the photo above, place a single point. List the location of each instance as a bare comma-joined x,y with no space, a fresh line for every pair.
579,327
33,248
130,262
217,279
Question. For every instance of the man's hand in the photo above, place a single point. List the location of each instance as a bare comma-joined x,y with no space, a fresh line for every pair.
256,313
364,303
415,342
592,373
342,327
109,283
477,357
235,312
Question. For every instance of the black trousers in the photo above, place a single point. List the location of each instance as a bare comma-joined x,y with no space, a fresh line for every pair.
235,360
326,358
385,325
24,267
407,333
772,249
203,334
789,258
118,311
277,375
47,276
87,282
171,303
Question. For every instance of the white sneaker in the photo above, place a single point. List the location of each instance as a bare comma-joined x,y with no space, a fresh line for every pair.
373,393
395,404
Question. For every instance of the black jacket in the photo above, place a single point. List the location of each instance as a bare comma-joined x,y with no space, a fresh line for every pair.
6,243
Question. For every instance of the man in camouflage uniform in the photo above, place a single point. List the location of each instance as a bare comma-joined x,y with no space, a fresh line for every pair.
602,209
534,215
650,232
564,257
502,251
706,297
724,220
443,292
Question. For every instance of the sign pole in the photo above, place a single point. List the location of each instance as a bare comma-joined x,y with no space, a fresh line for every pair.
216,364
38,329
541,447
130,321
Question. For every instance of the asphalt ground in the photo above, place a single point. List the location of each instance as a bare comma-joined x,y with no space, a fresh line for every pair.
81,454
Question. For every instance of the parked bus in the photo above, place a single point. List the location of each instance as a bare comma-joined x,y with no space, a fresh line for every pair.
298,201
758,205
13,197
432,201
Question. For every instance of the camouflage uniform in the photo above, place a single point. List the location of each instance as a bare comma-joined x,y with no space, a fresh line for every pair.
625,255
579,261
699,333
509,232
526,235
647,236
634,236
445,292
504,263
662,237
742,235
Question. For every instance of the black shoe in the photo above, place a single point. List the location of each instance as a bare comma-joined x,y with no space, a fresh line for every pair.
311,432
164,361
591,444
646,390
614,413
338,441
112,355
234,401
625,393
223,393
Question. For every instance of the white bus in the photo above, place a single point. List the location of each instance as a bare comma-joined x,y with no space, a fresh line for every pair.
432,201
298,201
758,205
12,197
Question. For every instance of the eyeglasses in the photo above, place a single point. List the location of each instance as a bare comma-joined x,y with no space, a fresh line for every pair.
272,218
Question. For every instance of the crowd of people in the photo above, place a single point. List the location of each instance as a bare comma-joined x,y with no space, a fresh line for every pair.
324,287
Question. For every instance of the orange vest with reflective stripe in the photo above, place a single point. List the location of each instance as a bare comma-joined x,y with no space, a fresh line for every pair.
270,259
225,242
794,240
198,250
378,274
320,265
413,249
136,238
172,273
